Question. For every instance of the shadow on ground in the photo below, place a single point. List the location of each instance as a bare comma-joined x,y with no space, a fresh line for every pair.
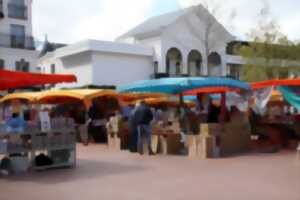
86,169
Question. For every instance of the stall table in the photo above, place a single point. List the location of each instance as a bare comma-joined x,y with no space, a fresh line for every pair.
32,142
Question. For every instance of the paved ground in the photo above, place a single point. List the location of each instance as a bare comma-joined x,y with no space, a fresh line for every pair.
113,175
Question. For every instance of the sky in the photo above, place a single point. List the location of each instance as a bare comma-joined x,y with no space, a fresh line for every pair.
69,21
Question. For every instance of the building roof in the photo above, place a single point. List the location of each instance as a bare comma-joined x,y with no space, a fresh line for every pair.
102,46
155,24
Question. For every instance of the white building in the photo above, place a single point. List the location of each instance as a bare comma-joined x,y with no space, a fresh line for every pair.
170,45
17,51
100,63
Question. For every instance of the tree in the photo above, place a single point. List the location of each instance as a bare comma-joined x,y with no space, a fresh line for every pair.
208,11
270,54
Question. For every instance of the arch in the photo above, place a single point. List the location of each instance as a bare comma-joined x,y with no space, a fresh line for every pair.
194,63
173,62
214,64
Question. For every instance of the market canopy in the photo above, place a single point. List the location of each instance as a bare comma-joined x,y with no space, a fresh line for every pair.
275,83
132,97
59,96
28,96
291,95
211,90
167,101
14,80
81,94
181,85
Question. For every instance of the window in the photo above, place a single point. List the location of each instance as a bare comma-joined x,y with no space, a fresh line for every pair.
18,2
283,74
17,9
17,36
2,63
22,66
235,71
53,69
155,67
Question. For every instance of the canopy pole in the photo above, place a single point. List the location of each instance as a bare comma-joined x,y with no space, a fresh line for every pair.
200,101
181,100
223,107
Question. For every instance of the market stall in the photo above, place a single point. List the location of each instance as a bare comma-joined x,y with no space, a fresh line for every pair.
118,126
31,140
276,124
180,86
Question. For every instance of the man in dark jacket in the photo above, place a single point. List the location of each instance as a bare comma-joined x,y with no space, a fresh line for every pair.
144,116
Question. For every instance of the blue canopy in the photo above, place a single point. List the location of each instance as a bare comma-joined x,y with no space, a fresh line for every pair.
291,95
180,85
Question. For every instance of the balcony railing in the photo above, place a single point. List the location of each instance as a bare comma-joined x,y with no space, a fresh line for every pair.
17,11
19,42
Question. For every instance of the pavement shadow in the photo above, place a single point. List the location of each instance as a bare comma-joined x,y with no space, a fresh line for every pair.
85,169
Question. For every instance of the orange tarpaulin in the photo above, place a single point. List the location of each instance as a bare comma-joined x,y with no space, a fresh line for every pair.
12,79
270,83
209,90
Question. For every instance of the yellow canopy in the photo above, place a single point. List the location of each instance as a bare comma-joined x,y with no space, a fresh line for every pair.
82,94
60,96
276,96
29,96
132,97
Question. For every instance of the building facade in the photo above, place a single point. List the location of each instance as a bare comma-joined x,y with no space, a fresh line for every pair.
188,42
17,49
100,63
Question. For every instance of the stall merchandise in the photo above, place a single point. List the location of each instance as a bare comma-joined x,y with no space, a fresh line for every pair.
58,144
277,128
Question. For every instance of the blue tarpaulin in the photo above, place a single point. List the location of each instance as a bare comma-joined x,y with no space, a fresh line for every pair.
291,95
180,85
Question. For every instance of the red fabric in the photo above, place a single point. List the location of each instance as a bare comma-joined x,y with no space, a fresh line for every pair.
12,79
210,90
269,83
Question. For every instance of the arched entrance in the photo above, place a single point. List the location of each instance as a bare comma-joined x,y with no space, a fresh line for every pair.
214,64
194,63
173,62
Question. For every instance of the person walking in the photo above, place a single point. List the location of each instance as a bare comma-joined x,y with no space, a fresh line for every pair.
144,116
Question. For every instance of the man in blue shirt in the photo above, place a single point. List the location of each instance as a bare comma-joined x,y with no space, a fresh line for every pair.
126,112
15,124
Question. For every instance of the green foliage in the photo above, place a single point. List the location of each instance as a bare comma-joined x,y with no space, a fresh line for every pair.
270,54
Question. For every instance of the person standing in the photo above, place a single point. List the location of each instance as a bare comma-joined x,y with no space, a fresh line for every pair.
183,112
98,123
126,111
80,117
144,116
133,130
15,124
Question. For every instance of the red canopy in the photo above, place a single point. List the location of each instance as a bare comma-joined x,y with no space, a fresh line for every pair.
270,83
12,79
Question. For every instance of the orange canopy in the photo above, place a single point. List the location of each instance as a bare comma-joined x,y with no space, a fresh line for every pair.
12,79
133,97
269,83
209,90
